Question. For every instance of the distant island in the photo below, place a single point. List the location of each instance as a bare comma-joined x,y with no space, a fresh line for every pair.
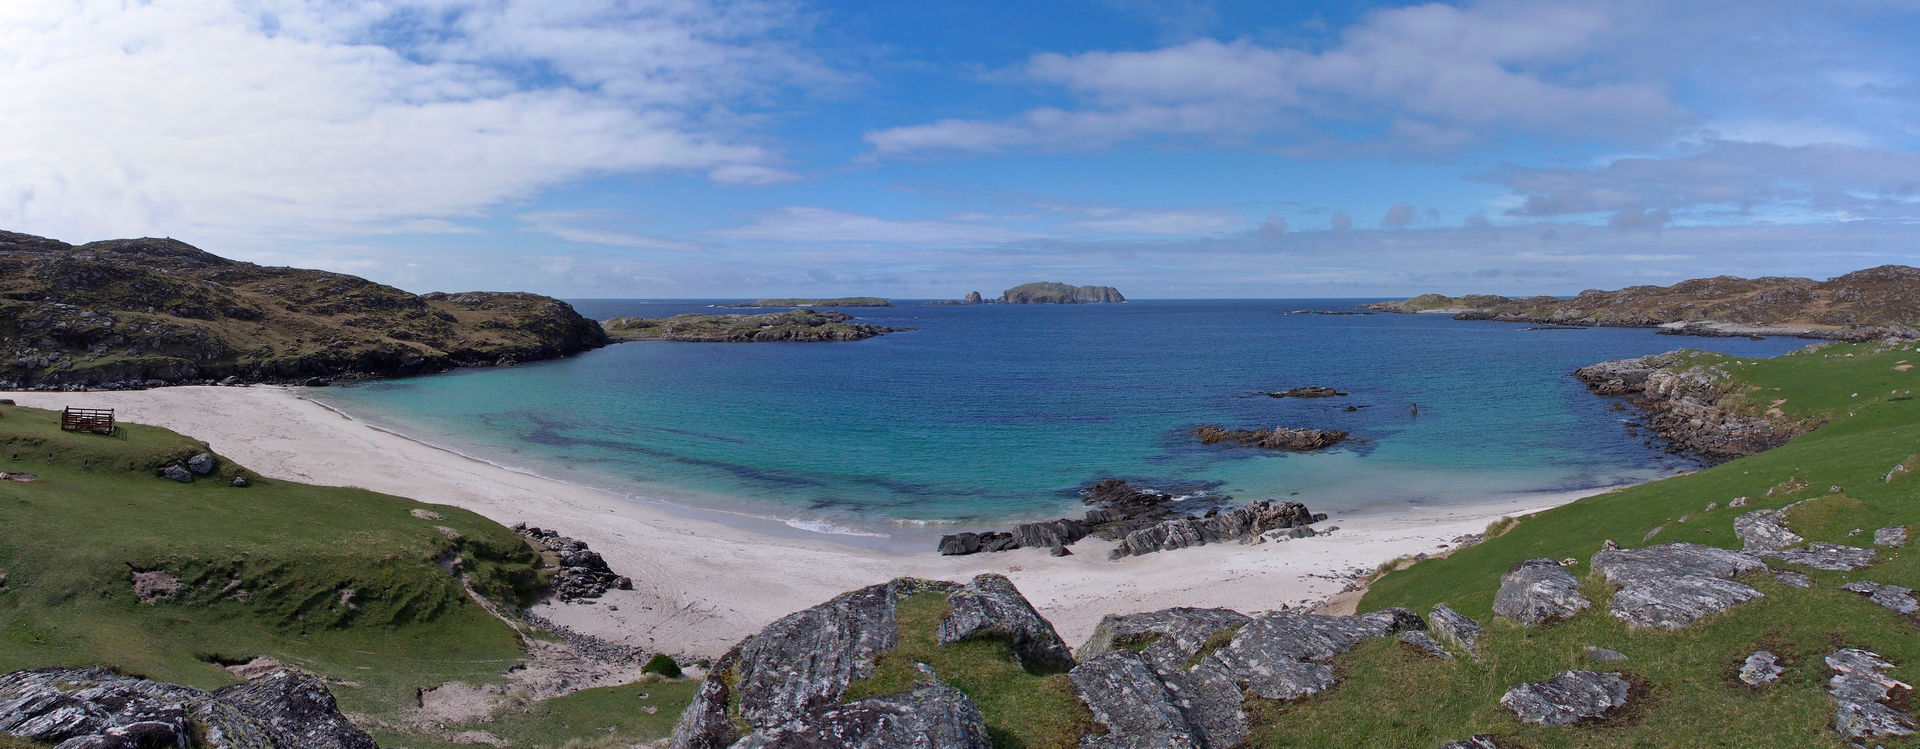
796,326
1053,292
130,313
849,301
1862,305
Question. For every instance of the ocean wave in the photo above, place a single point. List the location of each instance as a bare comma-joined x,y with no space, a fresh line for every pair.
826,528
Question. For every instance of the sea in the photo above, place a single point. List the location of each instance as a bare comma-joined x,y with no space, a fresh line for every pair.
982,416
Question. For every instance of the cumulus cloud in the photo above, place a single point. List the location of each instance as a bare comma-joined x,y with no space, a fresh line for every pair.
1400,216
1273,228
224,119
589,227
1438,75
1340,222
809,224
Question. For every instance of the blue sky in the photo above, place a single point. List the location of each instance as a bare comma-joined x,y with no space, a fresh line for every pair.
664,148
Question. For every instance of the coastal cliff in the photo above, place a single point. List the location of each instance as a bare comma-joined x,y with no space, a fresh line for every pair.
1053,292
1862,305
145,312
1691,406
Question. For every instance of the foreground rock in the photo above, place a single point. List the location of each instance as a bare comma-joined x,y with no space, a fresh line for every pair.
932,715
580,573
93,707
1895,598
1673,585
989,606
1567,698
1681,404
1860,689
1277,438
1537,591
1764,530
1456,628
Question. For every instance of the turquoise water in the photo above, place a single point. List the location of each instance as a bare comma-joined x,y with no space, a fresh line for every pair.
988,414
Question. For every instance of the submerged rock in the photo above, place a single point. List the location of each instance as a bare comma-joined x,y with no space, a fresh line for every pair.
931,715
1673,585
1567,698
1309,391
989,606
1537,591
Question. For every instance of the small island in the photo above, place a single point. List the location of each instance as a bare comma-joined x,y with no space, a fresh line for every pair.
1054,292
845,301
796,326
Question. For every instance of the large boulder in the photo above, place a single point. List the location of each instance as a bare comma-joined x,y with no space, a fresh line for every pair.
1170,637
295,709
1242,524
1133,702
201,464
1860,688
930,716
1281,655
1537,591
94,708
1673,585
1567,698
1456,628
989,606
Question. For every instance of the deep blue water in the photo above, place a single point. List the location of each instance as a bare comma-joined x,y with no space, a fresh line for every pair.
989,413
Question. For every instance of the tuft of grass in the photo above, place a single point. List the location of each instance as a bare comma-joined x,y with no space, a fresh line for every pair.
663,665
1834,518
1022,708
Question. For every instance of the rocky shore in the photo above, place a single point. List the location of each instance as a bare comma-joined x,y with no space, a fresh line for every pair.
1140,521
796,326
1682,405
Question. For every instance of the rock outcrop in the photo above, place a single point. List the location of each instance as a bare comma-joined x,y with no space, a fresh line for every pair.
1895,598
93,708
1308,391
1277,438
1860,689
1047,292
134,313
1894,536
579,573
1456,628
1673,585
1538,591
931,715
1821,555
1760,668
1682,406
1568,698
1141,520
989,606
1243,524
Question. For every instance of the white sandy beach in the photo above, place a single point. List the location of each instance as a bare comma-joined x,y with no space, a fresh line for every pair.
700,586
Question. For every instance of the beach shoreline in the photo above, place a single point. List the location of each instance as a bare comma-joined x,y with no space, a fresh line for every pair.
703,580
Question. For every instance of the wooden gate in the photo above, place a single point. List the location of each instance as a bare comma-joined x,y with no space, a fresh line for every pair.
96,420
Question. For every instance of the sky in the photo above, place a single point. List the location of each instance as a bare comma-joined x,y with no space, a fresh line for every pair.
1171,148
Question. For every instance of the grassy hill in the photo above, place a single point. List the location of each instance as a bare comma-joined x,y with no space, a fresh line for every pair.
122,313
1859,305
349,584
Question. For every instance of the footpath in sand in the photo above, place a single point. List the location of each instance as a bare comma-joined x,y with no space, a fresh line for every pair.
699,586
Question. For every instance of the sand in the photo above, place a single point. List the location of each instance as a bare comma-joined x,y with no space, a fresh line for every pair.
700,586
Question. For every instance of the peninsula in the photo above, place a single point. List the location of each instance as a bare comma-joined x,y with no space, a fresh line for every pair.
1862,305
143,312
795,326
848,301
1053,292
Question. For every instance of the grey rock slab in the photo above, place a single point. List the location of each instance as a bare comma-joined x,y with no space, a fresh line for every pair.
1860,688
930,716
1899,600
1424,643
1478,741
1895,536
1275,655
1604,655
1627,566
1567,698
989,606
1675,602
294,709
1760,668
1762,530
96,708
1174,636
1793,579
1537,591
1455,627
1825,556
1128,697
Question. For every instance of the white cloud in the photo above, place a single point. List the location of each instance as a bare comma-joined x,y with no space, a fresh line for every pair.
811,224
578,226
1273,228
224,119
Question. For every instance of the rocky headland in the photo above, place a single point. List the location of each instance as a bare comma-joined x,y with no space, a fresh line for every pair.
1687,406
795,326
1053,292
132,313
1862,305
845,301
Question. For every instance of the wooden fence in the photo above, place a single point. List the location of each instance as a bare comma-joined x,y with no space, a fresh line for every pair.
96,420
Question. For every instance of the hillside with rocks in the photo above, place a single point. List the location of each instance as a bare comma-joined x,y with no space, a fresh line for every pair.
144,312
1862,305
793,326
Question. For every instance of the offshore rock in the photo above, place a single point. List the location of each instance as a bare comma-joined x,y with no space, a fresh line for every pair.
930,716
1895,598
989,606
1567,698
1309,391
1453,626
1673,585
93,708
1821,555
1277,438
1537,591
1860,688
1240,524
799,664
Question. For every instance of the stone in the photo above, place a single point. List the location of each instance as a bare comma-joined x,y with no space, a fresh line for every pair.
1128,697
1793,579
1895,598
1050,533
1761,530
1760,668
1479,741
581,574
1537,591
1241,524
1277,438
1567,698
1424,643
94,708
801,663
1860,688
1603,655
1171,637
177,473
1455,627
989,606
1895,536
239,482
295,710
201,464
1278,655
1673,585
1821,555
1059,551
931,715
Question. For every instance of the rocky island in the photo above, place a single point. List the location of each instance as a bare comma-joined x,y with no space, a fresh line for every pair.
1053,292
1859,306
796,326
146,312
847,301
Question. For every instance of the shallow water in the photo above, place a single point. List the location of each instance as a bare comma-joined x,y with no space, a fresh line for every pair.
991,413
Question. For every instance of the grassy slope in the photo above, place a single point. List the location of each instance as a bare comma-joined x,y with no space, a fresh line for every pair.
1392,697
98,511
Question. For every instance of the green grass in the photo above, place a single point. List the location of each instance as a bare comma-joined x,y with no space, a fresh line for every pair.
609,716
1396,698
1022,708
263,570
